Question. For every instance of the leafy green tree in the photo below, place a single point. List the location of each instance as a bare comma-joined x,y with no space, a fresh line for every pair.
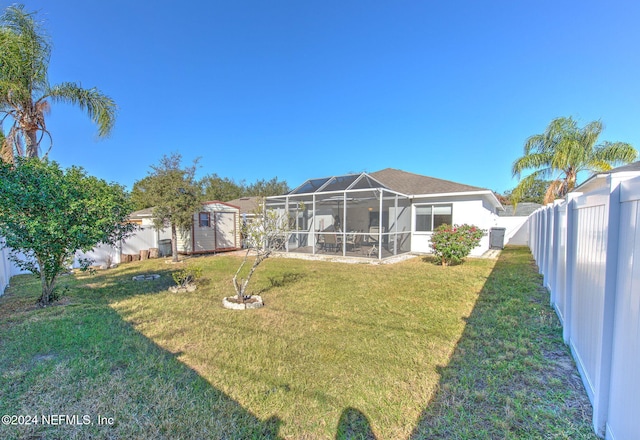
533,194
174,194
25,92
266,188
225,189
138,197
563,151
221,188
49,214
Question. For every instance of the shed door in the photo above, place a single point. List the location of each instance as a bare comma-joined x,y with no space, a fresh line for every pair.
225,230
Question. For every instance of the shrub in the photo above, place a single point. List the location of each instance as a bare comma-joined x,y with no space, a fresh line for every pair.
186,276
451,244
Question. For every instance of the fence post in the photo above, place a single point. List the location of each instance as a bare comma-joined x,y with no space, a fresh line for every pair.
543,244
570,265
603,379
550,269
560,246
553,263
535,234
624,400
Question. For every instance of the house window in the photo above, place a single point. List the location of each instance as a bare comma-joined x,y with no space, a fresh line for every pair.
204,220
429,217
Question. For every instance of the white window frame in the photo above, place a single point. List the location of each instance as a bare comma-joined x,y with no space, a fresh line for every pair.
422,205
208,219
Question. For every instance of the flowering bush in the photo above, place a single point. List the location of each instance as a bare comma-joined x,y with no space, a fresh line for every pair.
451,244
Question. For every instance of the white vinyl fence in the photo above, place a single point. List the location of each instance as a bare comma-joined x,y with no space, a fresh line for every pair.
585,247
5,269
145,237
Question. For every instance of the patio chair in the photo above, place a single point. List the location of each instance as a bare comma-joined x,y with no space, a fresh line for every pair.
374,234
353,241
330,242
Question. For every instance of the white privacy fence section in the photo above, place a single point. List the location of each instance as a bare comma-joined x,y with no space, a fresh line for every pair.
5,269
585,248
145,237
624,404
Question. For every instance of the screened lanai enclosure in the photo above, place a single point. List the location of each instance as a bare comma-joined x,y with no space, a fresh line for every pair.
352,216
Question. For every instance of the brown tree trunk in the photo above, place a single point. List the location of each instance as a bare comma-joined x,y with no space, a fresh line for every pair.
31,142
47,287
174,243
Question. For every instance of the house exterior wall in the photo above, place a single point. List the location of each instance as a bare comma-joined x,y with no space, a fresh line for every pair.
464,210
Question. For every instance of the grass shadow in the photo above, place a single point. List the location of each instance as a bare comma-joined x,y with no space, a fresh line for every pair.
354,425
80,358
510,376
282,280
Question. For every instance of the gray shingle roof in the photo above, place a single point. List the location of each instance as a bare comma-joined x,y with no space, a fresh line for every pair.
247,205
410,183
143,213
522,209
634,166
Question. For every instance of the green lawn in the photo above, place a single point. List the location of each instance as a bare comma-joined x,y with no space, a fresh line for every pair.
410,350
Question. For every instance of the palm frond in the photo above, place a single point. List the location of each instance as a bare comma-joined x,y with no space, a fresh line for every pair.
25,49
98,106
530,161
566,149
615,153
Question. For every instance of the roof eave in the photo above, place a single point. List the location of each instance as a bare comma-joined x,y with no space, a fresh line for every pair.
492,197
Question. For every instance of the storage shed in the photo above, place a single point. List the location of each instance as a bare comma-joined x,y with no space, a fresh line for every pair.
216,228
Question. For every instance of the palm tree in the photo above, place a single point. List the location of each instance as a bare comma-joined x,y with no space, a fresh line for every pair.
25,92
563,151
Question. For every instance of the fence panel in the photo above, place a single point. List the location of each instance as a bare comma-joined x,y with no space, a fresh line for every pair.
624,403
144,238
102,255
558,287
590,229
586,249
5,268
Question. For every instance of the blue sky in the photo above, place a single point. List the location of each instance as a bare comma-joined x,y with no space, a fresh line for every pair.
302,89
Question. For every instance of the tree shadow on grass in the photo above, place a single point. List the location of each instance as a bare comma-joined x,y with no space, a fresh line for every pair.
354,425
510,376
89,361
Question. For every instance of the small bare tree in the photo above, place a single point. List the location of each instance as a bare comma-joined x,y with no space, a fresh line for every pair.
267,233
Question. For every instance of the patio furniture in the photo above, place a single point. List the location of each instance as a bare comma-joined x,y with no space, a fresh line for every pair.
374,234
330,242
319,241
370,251
353,241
